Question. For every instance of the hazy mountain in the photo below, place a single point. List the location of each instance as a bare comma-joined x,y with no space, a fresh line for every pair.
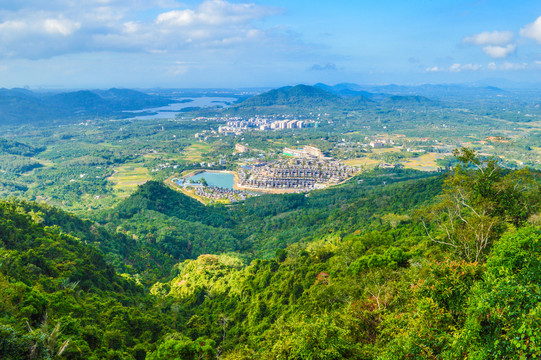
24,106
440,91
301,98
398,100
342,96
350,90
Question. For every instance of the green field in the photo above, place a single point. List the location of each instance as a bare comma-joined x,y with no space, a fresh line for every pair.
195,151
127,177
425,162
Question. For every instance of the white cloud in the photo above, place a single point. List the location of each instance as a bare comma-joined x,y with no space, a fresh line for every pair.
177,18
506,66
497,52
215,13
496,44
490,38
455,68
12,26
36,29
60,26
533,30
464,67
433,69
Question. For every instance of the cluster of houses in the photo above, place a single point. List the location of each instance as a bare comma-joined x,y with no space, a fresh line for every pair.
163,167
219,193
295,174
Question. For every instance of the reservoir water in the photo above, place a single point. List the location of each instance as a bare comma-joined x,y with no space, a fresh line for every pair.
219,179
170,111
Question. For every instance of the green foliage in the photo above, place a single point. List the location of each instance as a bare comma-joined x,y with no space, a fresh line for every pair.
392,257
179,347
504,312
349,273
58,296
478,202
16,148
317,339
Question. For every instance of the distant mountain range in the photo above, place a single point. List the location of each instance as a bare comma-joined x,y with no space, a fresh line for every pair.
19,106
435,92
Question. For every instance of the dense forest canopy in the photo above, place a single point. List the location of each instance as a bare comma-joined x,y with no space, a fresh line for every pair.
425,267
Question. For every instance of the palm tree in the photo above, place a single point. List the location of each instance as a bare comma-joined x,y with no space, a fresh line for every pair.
46,339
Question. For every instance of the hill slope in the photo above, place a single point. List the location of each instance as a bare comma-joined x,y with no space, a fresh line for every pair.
173,222
376,271
58,295
300,95
22,106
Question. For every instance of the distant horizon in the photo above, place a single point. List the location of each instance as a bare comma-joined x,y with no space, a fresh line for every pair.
480,84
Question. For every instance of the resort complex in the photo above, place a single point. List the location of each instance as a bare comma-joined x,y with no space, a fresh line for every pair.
299,174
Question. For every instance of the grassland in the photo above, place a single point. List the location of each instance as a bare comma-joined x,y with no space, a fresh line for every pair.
195,151
127,177
364,162
425,162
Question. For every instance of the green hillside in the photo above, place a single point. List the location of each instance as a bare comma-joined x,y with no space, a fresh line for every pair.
304,99
60,299
19,106
299,95
391,265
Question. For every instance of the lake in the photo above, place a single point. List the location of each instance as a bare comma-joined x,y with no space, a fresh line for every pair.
170,111
219,179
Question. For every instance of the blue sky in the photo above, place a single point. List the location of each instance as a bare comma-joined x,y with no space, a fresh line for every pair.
219,43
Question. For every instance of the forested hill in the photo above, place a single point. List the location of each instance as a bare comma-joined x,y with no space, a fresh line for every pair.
19,106
173,223
299,98
413,268
123,253
300,95
181,227
304,98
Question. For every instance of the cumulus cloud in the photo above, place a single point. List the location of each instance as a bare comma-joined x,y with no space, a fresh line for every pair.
35,29
489,38
215,13
433,69
496,51
60,26
496,44
533,30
